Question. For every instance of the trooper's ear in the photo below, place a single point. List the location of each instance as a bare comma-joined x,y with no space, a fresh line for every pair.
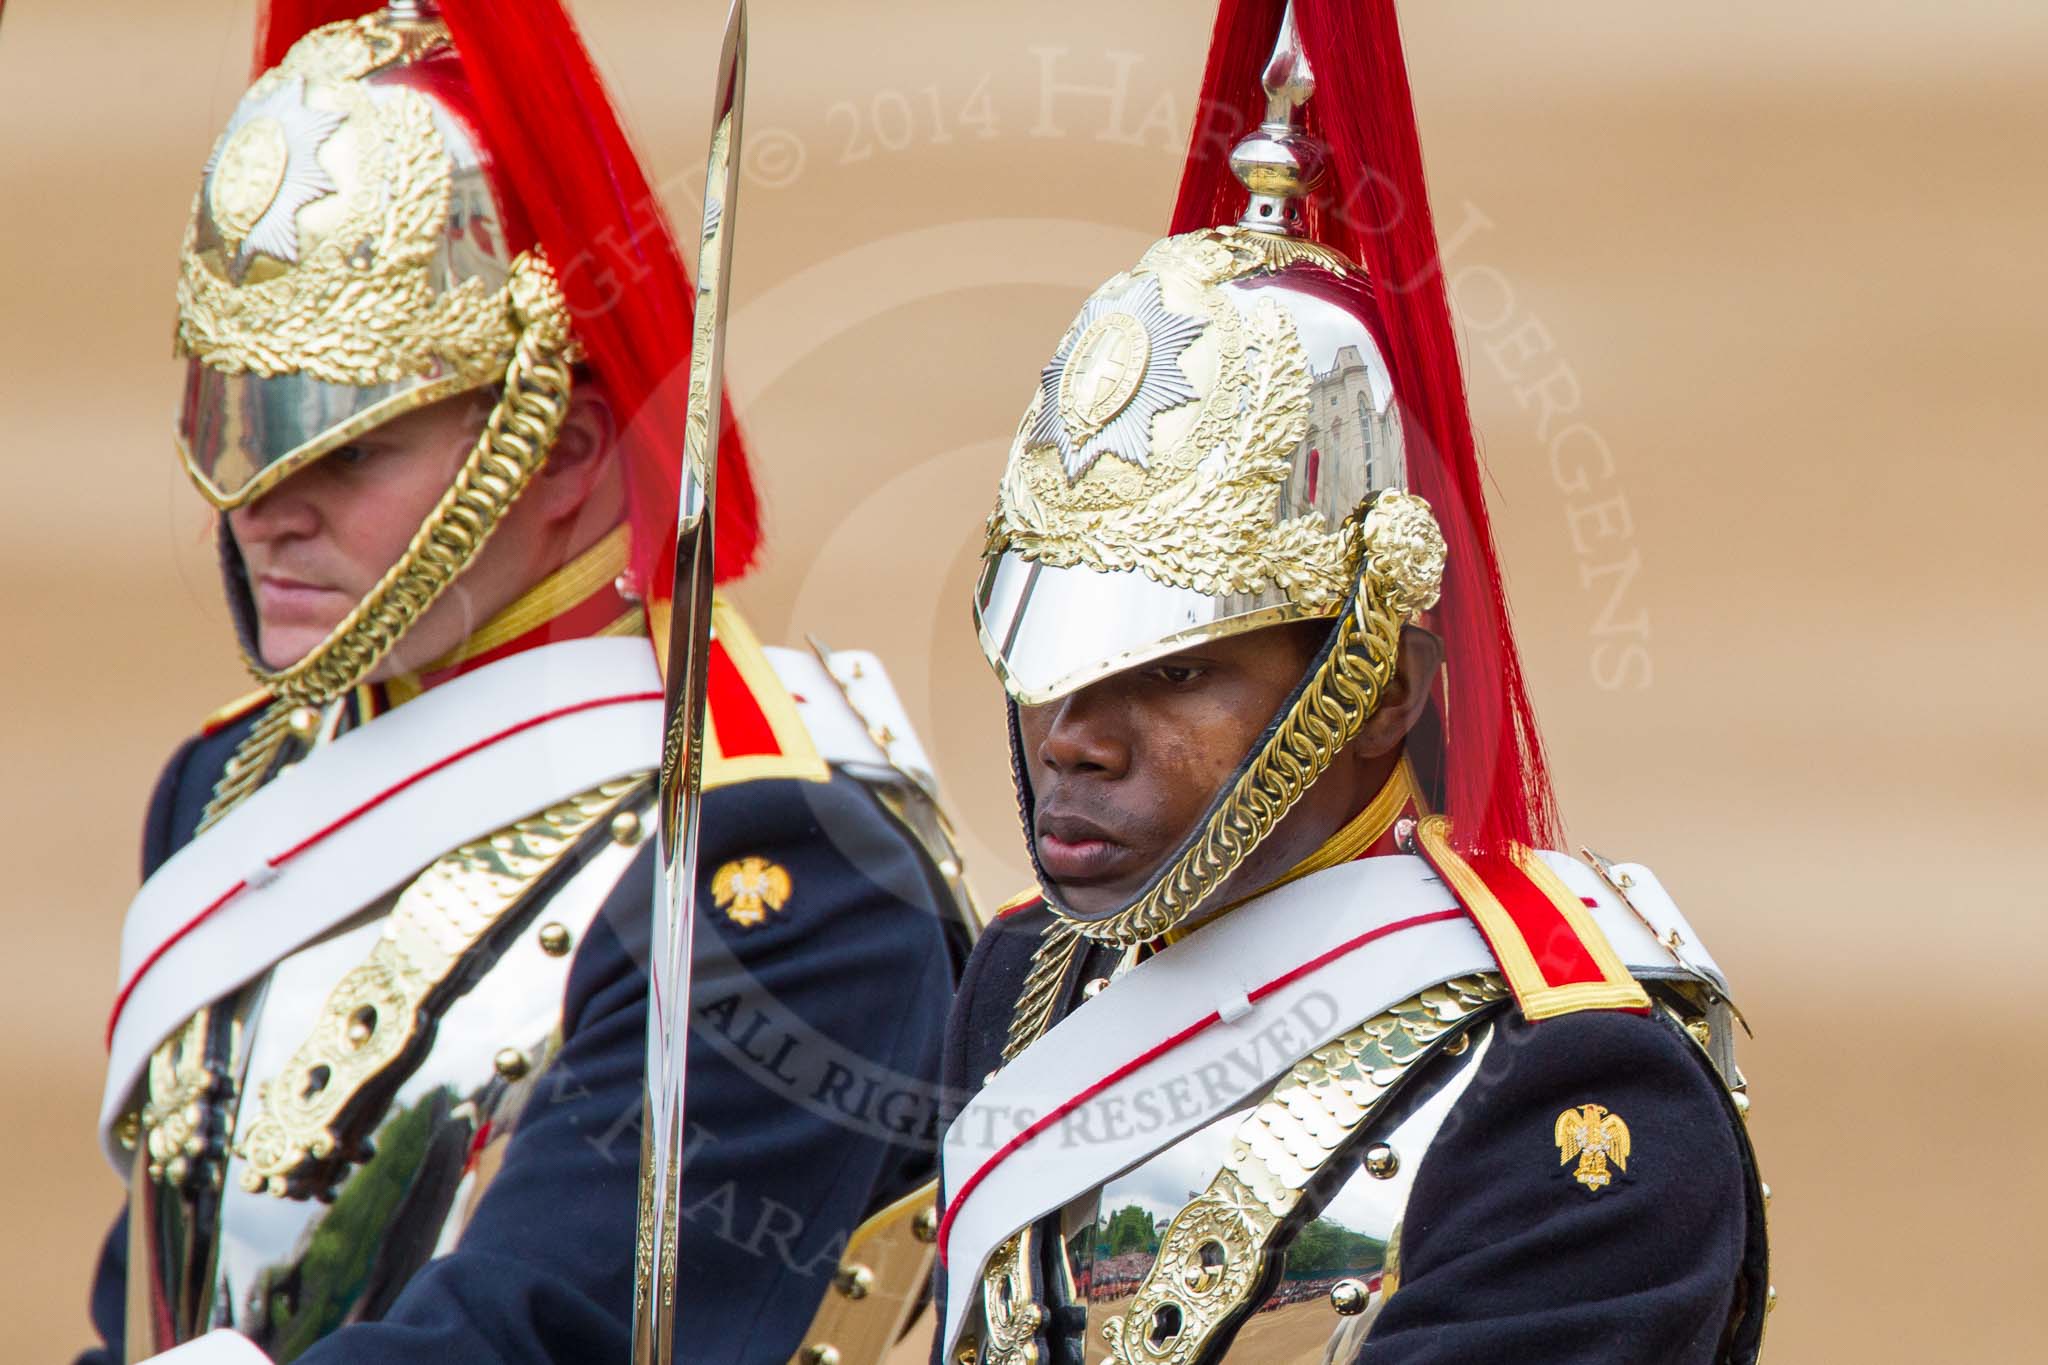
578,457
1406,693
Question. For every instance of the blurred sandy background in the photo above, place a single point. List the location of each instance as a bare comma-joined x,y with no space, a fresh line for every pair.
1783,262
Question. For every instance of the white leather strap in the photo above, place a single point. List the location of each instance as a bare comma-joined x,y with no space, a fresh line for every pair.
362,815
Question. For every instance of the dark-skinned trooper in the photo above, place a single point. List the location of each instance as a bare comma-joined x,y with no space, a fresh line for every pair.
1305,1047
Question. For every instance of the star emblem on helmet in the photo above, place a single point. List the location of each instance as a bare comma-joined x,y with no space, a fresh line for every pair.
266,168
1116,369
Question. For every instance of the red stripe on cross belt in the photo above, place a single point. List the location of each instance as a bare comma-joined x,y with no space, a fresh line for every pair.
957,1199
278,860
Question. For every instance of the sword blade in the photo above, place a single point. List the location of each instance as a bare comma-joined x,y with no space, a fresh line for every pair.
682,758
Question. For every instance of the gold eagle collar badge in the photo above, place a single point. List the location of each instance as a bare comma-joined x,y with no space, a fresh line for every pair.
749,888
1596,1138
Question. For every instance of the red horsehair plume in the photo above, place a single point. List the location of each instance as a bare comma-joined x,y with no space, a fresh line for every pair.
1374,207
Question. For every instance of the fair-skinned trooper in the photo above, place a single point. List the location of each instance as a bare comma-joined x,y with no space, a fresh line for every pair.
315,545
378,1036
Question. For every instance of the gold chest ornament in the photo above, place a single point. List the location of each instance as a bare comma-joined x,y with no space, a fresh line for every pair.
401,1052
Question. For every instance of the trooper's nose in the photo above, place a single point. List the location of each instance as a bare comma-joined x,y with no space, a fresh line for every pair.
284,513
1086,735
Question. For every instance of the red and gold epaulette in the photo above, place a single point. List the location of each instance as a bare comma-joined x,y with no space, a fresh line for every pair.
233,711
1023,900
1552,954
751,727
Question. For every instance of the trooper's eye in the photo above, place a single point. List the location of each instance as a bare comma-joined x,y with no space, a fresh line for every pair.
1177,674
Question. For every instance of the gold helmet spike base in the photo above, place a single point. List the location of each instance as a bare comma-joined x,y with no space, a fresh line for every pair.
1277,163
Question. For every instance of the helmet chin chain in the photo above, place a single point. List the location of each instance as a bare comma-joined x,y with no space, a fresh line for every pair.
514,441
1326,713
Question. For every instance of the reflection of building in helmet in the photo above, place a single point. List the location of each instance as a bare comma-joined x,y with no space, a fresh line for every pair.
1353,445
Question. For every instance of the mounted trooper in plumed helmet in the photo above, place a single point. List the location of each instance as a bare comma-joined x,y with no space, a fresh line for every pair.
1301,1049
377,1043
